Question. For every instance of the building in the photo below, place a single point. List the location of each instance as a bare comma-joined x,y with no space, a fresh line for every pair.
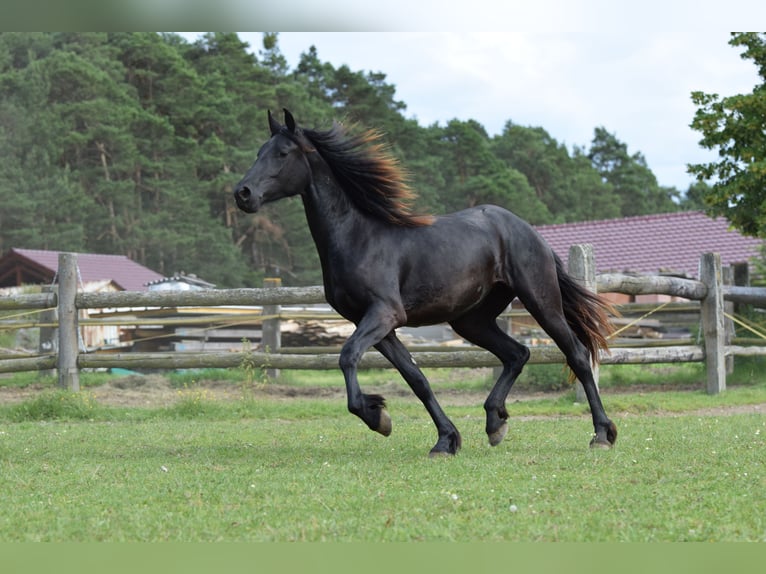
20,268
110,272
668,243
661,244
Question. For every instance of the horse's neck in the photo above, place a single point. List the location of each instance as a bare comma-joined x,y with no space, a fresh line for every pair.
329,211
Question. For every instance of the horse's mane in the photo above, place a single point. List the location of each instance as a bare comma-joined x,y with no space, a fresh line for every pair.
368,173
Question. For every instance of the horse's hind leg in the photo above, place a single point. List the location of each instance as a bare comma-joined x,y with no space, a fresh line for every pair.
551,318
480,327
449,438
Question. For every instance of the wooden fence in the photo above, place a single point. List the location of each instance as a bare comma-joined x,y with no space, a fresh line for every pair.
710,291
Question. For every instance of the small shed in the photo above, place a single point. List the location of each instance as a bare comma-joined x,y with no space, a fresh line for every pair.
20,268
39,267
179,282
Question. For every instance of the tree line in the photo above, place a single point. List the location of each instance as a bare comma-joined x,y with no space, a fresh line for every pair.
130,143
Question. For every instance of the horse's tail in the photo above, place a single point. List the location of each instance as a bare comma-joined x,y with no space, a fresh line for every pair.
586,312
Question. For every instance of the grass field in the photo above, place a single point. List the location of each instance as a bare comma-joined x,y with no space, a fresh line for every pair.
263,468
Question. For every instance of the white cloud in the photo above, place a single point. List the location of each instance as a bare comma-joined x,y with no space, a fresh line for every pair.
634,80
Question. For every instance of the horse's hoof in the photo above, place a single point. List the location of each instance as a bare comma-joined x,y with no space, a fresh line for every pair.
497,437
384,426
440,454
447,445
604,445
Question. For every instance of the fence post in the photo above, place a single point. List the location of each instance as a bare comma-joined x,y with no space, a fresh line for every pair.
68,374
582,267
712,317
271,336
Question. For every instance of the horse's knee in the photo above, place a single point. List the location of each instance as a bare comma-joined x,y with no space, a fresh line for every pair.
348,359
514,363
522,359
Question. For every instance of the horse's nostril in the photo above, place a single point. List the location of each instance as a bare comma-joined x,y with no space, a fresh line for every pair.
244,193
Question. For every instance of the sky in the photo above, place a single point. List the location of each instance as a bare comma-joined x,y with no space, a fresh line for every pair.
566,66
637,85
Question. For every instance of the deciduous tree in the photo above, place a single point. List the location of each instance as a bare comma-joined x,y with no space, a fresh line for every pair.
735,125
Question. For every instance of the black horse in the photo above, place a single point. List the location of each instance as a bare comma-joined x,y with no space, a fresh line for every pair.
384,268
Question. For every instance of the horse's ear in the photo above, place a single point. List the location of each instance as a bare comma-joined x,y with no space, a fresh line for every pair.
289,121
273,125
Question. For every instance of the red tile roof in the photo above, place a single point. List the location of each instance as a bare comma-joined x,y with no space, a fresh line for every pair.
124,272
668,243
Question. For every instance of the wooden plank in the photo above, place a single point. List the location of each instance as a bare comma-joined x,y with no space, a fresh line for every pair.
28,364
650,284
755,296
640,356
372,359
164,318
28,301
748,351
214,297
608,282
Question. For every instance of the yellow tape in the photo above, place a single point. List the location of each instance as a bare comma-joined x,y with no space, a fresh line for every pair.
641,318
742,323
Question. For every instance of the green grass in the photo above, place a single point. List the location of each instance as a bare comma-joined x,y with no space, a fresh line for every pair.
624,388
289,475
534,377
28,378
264,468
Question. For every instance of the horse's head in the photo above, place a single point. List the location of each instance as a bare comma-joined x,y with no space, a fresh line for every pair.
280,170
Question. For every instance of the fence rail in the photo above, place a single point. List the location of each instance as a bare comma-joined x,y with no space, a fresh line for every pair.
709,291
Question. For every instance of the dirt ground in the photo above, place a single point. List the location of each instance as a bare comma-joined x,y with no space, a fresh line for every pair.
156,391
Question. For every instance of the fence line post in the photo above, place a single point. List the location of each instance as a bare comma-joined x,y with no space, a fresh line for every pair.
68,374
713,327
271,332
582,267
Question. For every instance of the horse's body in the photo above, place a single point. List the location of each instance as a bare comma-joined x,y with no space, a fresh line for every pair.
436,278
384,268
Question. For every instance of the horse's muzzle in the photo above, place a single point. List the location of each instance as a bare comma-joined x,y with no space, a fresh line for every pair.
246,200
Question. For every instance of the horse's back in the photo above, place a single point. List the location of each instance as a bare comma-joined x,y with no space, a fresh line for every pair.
522,256
515,234
453,264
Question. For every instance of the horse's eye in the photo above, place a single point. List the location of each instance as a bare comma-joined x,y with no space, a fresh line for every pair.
283,151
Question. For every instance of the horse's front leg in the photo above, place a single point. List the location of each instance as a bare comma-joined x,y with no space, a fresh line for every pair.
449,437
375,325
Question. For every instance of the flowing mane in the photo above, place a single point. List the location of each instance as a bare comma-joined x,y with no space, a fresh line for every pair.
369,175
